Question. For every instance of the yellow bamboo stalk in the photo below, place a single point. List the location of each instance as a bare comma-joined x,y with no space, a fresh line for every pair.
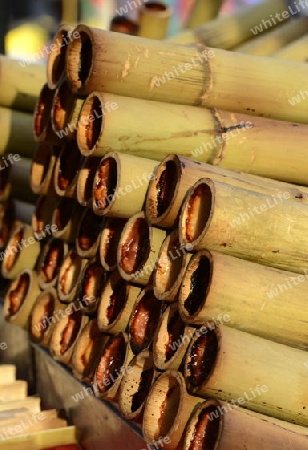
274,234
69,11
295,51
215,352
154,18
18,390
20,83
124,25
56,58
110,238
85,180
19,177
7,373
69,276
65,219
50,261
89,234
202,12
67,170
17,134
42,168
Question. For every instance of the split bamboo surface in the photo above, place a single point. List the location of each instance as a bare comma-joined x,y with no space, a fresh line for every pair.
70,276
56,58
89,233
18,408
67,170
7,373
43,163
256,372
274,234
86,179
154,18
295,51
121,24
50,261
202,12
13,391
17,134
110,238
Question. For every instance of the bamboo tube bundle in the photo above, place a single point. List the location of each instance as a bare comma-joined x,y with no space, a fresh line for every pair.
222,226
144,320
116,192
19,177
50,261
42,216
65,219
138,249
122,24
110,238
224,426
67,170
167,411
70,276
135,386
86,179
20,298
89,233
92,282
252,376
171,264
7,218
117,301
114,362
42,169
87,351
206,83
21,252
154,18
203,12
295,51
276,39
171,340
20,84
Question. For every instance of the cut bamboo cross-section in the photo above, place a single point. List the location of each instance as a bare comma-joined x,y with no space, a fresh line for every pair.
202,12
110,238
7,373
50,261
92,281
67,170
18,390
89,233
85,180
65,219
295,51
42,129
43,163
154,18
42,216
69,276
56,58
122,24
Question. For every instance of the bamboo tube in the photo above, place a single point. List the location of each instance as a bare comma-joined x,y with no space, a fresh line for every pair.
21,252
42,168
19,176
16,129
7,217
135,386
20,298
215,352
138,249
116,304
87,351
7,373
237,27
65,219
167,410
154,19
85,180
295,51
171,340
92,282
124,25
211,428
89,234
44,316
269,43
227,228
171,264
203,12
206,83
110,238
114,362
42,216
67,170
20,83
116,192
144,320
66,332
69,276
56,58
13,391
50,261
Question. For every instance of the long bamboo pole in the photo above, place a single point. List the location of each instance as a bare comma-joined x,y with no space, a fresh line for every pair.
154,18
70,276
252,372
50,261
295,51
202,12
56,58
43,163
17,134
67,170
110,238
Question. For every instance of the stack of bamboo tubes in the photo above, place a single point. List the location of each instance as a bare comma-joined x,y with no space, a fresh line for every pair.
160,263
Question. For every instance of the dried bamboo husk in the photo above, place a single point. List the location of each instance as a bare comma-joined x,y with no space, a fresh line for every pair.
154,19
18,255
92,282
50,261
89,233
7,373
253,370
42,217
113,364
20,298
20,84
110,238
120,184
269,43
56,58
66,332
144,320
257,306
23,211
43,163
138,249
167,411
13,391
85,180
228,31
17,134
220,425
135,386
87,351
171,263
45,314
122,24
274,235
116,304
206,83
67,170
203,12
19,178
65,219
295,51
7,218
69,276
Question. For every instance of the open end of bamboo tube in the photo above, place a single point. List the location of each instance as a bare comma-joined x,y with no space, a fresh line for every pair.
105,185
50,261
13,249
16,294
201,358
92,282
81,51
7,217
91,123
88,233
56,59
69,275
204,429
43,309
86,179
42,111
63,213
144,320
41,169
155,7
63,105
196,212
42,214
124,25
65,334
113,300
67,168
110,239
195,285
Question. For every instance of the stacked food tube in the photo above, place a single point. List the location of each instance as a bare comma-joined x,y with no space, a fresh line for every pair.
174,282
